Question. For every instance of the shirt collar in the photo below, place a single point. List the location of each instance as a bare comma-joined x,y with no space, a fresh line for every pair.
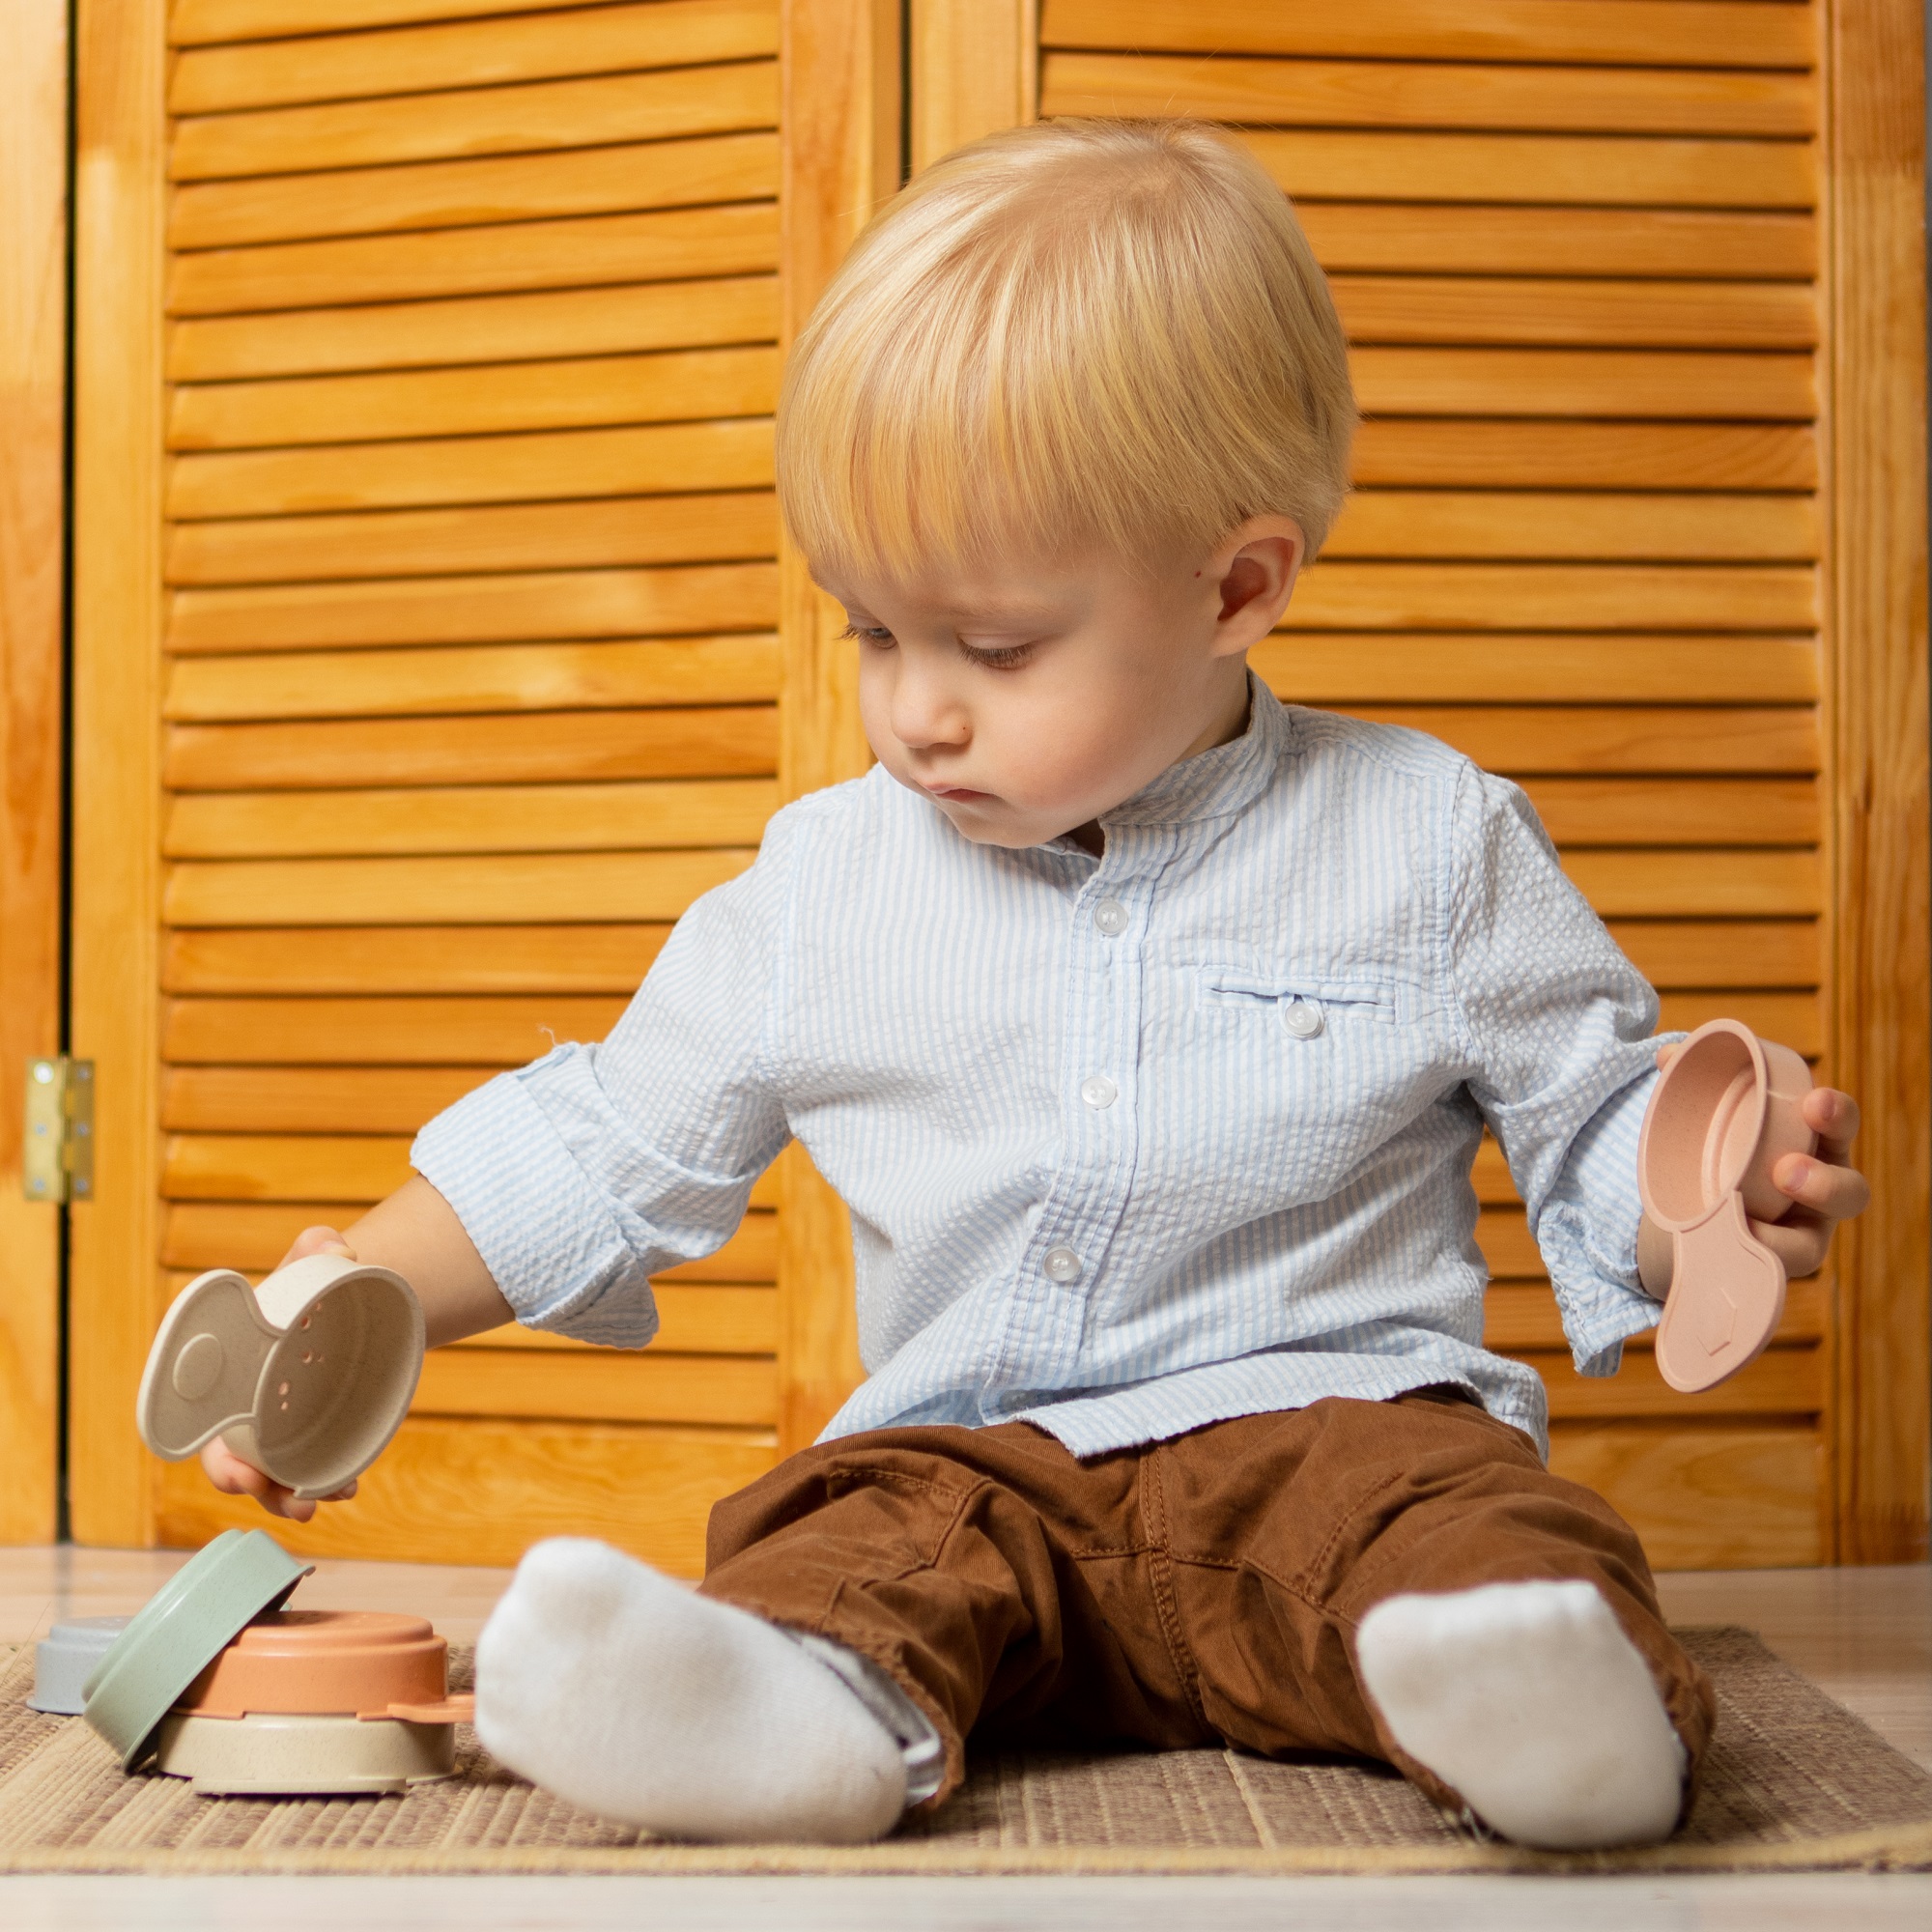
1216,783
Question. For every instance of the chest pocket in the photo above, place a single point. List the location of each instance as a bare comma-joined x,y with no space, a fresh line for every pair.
1303,1008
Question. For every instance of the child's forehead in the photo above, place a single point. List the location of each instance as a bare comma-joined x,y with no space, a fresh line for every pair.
1009,593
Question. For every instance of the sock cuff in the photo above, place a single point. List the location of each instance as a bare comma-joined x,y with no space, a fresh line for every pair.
921,1747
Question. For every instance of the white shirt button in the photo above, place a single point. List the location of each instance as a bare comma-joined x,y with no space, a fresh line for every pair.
1062,1265
1302,1018
1111,917
1098,1090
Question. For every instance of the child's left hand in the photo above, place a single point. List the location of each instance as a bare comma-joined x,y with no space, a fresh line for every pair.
1824,1187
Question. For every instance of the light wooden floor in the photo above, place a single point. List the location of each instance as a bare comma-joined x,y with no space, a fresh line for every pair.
1865,1636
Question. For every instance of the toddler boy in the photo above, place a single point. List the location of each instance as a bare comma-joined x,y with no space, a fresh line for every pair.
1149,1029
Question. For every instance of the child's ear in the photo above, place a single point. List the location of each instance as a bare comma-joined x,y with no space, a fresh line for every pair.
1256,568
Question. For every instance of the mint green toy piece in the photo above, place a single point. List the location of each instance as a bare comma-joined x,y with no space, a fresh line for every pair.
179,1632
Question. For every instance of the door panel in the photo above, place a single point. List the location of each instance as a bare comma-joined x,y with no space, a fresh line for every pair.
33,384
449,671
1456,354
1575,247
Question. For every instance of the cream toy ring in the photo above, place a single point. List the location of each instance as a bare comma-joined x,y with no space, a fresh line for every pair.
307,1377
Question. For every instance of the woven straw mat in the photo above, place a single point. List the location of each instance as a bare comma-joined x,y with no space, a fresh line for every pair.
1792,1782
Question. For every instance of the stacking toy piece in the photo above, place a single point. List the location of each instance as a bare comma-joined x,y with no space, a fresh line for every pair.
1725,1111
307,1702
180,1631
213,1681
306,1377
65,1658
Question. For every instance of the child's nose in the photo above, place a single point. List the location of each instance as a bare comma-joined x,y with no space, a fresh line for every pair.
925,713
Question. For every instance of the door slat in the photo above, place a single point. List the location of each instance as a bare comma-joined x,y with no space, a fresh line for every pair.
727,526
468,53
1536,170
652,815
476,329
731,741
1620,33
582,252
548,959
428,195
666,600
1401,93
667,386
526,119
503,889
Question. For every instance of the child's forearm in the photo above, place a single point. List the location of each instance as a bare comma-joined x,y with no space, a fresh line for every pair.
416,1233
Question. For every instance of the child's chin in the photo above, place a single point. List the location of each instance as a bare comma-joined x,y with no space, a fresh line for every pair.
999,828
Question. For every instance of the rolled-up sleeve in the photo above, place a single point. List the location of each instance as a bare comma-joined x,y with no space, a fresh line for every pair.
583,1174
1563,1040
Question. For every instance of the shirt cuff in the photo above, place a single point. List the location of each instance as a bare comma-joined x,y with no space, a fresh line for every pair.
548,1234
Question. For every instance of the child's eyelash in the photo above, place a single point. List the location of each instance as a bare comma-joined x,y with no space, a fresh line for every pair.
1010,658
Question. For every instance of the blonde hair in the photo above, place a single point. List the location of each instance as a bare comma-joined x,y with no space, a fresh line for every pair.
1107,334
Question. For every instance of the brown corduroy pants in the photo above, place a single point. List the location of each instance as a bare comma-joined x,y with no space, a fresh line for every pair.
1199,1591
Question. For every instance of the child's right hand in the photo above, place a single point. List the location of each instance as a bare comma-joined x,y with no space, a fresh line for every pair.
225,1469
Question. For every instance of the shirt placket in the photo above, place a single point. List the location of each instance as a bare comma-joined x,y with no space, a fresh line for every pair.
1073,1240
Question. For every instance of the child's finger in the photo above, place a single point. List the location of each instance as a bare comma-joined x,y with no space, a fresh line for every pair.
234,1477
1801,1243
317,1241
1833,1192
1834,1117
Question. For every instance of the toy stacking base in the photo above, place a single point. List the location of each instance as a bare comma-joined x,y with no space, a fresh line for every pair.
298,1754
345,1703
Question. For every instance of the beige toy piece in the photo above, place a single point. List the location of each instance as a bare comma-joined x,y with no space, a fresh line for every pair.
306,1377
342,1702
1726,1111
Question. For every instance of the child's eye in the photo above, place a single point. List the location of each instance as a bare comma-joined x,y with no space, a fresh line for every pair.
875,635
1010,658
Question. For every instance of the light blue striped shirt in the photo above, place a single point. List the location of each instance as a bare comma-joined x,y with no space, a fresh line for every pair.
1131,1144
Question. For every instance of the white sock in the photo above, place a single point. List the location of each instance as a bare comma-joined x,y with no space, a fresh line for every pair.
1529,1701
638,1699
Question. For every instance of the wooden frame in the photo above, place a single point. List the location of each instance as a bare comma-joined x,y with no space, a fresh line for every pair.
33,391
120,135
974,67
840,158
1874,210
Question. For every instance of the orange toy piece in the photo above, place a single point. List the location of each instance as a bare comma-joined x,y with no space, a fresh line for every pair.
362,1663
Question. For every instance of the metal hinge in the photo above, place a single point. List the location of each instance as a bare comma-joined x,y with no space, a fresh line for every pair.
57,1153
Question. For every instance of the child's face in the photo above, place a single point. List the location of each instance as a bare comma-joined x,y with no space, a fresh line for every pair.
1029,701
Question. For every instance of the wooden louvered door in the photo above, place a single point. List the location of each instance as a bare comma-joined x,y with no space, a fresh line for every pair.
427,665
1633,290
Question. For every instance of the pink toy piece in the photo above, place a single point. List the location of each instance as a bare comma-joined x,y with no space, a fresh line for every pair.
1724,1114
